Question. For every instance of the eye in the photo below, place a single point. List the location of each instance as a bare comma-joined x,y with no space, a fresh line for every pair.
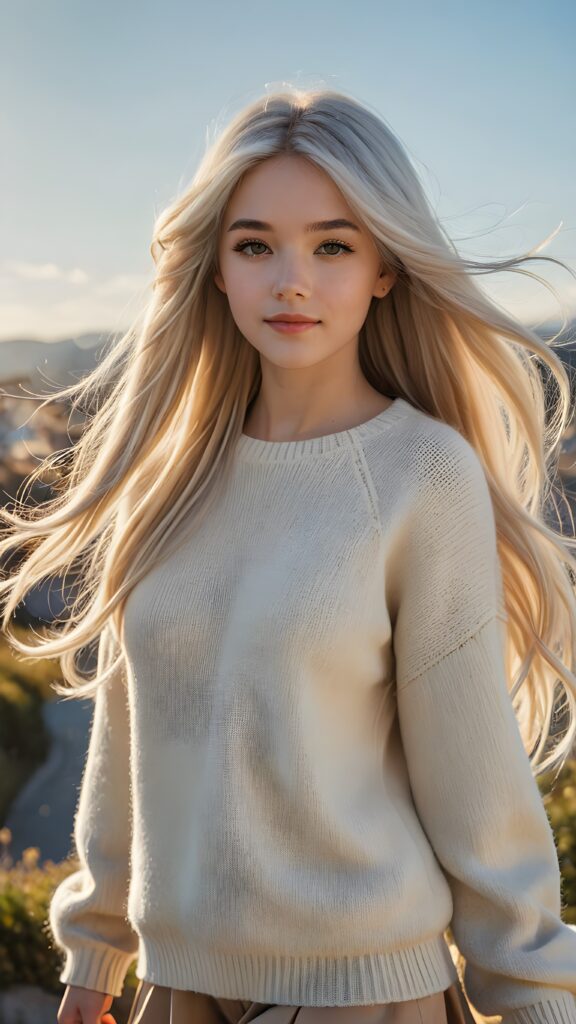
341,245
242,246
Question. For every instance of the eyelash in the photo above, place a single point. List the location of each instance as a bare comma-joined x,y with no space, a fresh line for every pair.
240,247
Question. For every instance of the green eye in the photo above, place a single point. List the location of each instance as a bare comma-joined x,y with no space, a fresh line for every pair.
242,246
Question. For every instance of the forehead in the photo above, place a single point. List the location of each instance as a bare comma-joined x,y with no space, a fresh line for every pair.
287,190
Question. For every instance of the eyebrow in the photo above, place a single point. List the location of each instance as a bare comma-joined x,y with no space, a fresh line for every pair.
317,225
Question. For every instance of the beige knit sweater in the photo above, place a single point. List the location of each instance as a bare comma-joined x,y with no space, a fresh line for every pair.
306,765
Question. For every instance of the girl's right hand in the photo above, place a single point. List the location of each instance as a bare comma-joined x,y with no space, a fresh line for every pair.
85,1006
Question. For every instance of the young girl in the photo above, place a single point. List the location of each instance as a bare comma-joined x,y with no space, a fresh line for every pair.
316,559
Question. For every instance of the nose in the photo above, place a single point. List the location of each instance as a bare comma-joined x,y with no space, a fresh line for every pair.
290,284
290,276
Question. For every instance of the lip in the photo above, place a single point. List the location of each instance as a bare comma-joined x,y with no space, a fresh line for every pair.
291,318
292,327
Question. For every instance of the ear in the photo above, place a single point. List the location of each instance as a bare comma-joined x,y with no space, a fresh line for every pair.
219,281
386,281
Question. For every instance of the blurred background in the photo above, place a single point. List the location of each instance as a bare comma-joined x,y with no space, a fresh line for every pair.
105,112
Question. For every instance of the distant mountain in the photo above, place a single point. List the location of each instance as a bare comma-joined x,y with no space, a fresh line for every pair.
46,365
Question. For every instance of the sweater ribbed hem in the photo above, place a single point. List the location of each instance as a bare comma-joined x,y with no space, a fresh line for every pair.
256,449
560,1009
314,980
103,970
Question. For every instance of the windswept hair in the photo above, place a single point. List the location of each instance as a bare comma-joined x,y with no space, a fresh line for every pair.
167,403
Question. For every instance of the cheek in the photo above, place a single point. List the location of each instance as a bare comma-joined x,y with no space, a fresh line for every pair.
243,292
351,291
244,299
239,276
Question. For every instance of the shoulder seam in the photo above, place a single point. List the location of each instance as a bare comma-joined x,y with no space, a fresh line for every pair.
489,618
361,464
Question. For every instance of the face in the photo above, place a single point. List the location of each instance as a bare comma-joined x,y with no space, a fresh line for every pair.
329,273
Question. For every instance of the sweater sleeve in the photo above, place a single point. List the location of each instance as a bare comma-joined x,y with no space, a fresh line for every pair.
87,912
469,773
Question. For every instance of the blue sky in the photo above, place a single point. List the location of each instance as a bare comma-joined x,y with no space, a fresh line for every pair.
106,107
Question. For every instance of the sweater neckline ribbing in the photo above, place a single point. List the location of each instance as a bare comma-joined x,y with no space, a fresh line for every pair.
255,449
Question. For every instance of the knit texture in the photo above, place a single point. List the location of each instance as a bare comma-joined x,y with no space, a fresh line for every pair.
306,764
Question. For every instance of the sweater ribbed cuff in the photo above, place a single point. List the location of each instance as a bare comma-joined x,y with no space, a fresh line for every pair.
558,1010
102,970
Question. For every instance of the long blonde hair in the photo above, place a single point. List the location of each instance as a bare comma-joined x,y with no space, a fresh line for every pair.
168,401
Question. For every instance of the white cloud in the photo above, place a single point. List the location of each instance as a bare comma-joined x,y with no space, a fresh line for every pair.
45,272
77,276
66,317
115,285
44,302
123,283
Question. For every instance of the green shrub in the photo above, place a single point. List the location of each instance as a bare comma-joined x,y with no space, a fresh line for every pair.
24,740
28,954
37,676
25,955
561,809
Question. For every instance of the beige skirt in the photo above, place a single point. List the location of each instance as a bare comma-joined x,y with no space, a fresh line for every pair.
157,1004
